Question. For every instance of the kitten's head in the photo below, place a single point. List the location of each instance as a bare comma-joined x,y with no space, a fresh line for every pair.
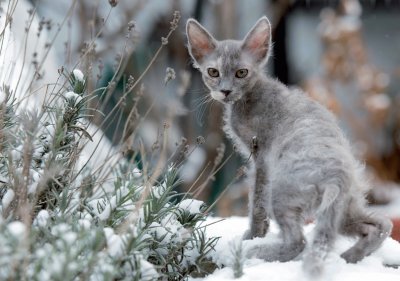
229,68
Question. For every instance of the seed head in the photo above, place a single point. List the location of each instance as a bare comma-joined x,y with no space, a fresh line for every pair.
113,3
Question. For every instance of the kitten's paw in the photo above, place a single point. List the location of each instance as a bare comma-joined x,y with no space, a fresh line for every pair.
249,234
352,256
256,230
313,266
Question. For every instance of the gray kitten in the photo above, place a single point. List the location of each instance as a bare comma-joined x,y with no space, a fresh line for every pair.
302,163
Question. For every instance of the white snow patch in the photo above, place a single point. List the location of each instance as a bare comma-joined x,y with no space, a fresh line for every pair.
60,229
35,176
148,270
137,173
84,223
105,214
370,268
3,179
58,263
112,204
160,233
69,237
16,228
115,243
7,198
159,190
78,75
191,205
16,153
42,218
73,96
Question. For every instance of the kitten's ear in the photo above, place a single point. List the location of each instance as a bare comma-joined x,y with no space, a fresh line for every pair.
201,43
258,41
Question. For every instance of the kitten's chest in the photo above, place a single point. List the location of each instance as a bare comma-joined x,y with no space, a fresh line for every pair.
243,127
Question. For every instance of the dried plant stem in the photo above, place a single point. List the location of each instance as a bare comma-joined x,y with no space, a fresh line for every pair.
67,16
126,93
157,171
10,10
30,21
197,179
213,172
22,189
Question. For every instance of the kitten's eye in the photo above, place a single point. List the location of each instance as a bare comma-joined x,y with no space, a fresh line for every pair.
213,72
241,73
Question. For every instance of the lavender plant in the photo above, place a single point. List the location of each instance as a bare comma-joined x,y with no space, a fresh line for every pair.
61,221
65,217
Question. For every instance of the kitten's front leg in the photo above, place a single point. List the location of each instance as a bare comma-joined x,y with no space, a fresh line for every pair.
259,221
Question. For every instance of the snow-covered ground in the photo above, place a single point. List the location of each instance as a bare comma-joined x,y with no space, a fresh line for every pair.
231,230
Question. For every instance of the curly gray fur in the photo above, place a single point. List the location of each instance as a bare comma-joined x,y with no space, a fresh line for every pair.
302,164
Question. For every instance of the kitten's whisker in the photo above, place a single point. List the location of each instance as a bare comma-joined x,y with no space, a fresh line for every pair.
202,103
201,107
201,99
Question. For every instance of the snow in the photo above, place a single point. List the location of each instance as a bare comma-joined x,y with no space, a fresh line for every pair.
69,237
7,198
231,229
58,263
115,243
73,96
170,230
159,190
147,270
16,153
78,75
35,176
113,203
16,228
60,229
159,232
84,223
136,173
3,179
42,218
191,205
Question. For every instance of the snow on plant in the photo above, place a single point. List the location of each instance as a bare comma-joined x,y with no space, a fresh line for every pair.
237,258
62,222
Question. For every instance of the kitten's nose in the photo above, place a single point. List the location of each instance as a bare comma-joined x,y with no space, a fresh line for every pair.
226,92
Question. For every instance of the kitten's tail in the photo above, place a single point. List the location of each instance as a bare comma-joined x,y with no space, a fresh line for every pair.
328,198
328,216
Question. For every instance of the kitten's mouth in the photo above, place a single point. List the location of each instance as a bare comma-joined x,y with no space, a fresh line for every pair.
223,97
217,95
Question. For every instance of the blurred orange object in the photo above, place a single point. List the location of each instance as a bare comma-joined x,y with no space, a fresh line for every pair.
396,229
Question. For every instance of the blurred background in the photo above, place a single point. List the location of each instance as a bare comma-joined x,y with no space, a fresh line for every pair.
344,53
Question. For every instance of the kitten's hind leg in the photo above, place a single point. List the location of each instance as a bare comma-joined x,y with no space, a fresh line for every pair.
325,231
290,223
370,229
